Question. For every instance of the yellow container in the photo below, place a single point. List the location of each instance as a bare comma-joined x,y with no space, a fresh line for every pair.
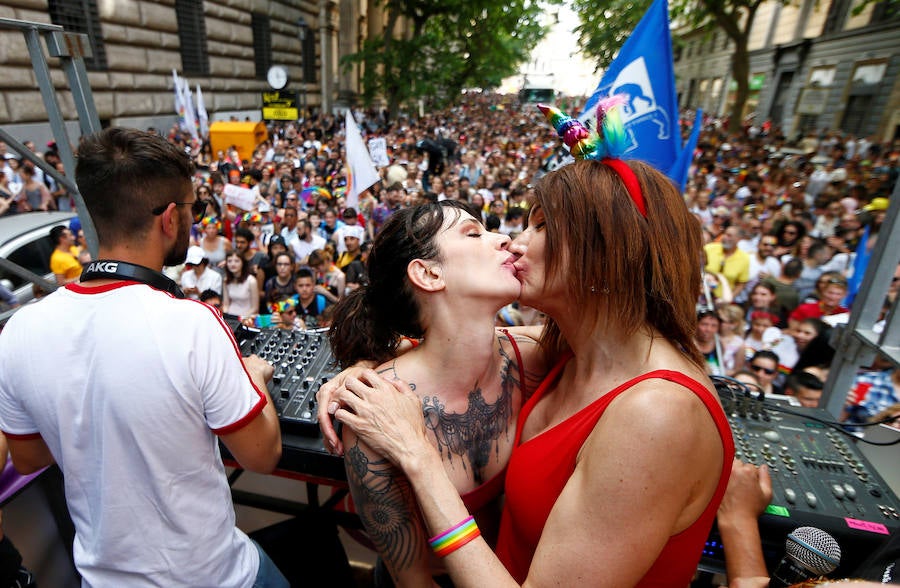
244,136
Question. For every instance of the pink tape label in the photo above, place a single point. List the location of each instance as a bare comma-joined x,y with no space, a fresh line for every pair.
867,526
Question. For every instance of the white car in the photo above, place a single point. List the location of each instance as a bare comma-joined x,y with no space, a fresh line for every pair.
25,241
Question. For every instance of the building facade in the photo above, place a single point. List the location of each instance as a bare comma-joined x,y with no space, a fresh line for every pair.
224,46
813,66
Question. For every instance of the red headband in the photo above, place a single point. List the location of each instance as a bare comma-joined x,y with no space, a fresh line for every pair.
630,180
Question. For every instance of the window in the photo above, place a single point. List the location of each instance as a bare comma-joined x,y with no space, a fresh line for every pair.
308,49
262,43
864,86
192,35
81,16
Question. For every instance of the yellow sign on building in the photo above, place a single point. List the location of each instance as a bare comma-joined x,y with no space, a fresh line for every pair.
280,105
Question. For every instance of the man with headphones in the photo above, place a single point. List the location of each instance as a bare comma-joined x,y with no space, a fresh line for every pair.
152,383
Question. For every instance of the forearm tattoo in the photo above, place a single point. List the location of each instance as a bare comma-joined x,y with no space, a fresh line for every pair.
385,504
475,432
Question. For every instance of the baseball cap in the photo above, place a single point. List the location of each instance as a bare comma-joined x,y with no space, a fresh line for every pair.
195,255
354,231
877,204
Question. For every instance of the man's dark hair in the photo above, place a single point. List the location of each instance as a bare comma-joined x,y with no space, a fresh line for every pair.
56,234
803,379
244,233
123,174
492,222
793,268
765,354
209,294
305,272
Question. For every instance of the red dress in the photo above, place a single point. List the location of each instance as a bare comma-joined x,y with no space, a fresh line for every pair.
541,467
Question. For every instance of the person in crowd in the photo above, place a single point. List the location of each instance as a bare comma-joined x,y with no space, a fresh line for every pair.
64,265
306,242
600,234
143,495
817,256
240,293
874,389
762,265
280,285
828,304
352,236
790,234
706,339
244,240
805,331
725,258
431,264
787,298
215,246
212,298
805,387
330,281
34,194
312,301
197,275
286,309
764,365
731,338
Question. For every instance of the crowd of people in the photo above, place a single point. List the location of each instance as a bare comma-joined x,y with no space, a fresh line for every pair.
775,236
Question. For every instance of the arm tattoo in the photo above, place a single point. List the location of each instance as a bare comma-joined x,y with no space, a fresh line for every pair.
476,431
385,503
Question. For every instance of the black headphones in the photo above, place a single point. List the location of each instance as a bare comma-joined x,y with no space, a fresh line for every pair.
103,269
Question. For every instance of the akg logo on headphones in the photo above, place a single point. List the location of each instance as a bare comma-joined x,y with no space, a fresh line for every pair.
104,266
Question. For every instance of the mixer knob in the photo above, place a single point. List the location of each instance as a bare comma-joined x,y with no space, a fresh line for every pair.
838,491
850,491
772,436
285,392
790,495
306,414
278,377
811,499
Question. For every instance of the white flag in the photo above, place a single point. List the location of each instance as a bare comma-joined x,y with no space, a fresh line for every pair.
361,173
179,104
202,115
190,119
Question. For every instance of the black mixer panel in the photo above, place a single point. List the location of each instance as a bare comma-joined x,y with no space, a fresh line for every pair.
819,477
303,362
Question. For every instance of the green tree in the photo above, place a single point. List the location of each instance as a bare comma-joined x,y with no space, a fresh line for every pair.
605,26
449,45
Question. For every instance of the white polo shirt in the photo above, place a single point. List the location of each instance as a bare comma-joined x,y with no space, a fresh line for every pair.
129,387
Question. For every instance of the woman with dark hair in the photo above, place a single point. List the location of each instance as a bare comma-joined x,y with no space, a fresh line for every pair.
790,236
610,254
240,293
429,266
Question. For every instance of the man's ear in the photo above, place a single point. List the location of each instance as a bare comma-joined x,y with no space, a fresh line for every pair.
425,275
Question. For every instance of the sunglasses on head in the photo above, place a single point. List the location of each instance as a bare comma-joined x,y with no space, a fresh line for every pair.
198,209
759,368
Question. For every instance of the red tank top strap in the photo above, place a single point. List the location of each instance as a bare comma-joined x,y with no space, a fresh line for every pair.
515,346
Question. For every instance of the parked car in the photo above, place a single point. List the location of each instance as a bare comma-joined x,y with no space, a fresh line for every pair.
25,241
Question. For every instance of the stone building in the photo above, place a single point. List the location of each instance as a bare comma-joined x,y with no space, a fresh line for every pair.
224,46
814,65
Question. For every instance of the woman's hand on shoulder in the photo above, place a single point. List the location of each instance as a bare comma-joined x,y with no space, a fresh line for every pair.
327,401
386,415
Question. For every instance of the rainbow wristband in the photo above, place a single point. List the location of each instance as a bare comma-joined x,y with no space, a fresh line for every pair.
454,538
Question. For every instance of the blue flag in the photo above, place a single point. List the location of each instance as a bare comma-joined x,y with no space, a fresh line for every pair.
860,264
644,71
679,171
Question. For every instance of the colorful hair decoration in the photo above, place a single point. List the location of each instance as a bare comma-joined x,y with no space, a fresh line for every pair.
210,220
284,305
252,217
311,194
606,145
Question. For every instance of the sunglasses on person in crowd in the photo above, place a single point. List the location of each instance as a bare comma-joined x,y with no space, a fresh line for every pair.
759,368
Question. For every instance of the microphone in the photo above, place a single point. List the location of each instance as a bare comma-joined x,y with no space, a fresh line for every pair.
809,553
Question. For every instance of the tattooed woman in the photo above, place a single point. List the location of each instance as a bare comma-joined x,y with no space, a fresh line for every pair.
435,273
623,453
